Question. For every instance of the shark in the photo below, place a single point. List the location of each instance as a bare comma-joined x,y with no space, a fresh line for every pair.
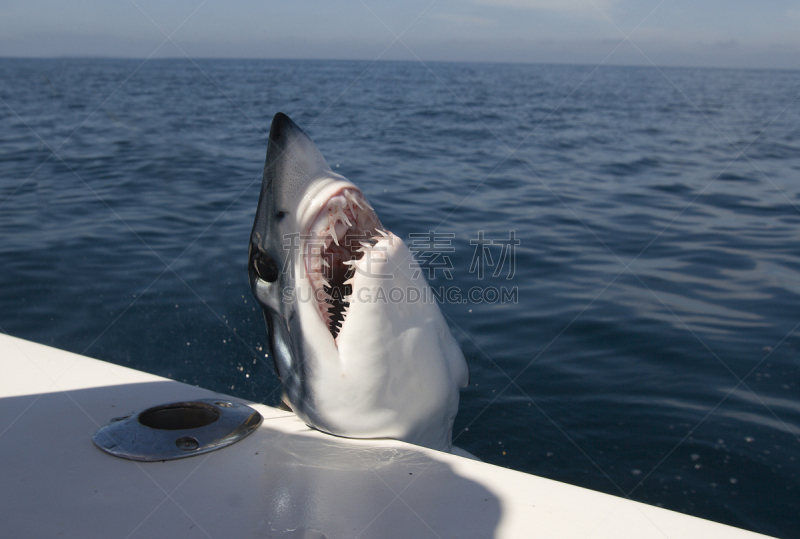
360,347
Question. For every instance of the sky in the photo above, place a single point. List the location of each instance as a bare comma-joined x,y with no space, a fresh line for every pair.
714,33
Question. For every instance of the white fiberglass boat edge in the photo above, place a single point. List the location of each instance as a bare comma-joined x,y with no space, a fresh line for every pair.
284,480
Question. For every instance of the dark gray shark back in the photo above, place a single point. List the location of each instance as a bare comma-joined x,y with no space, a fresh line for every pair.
292,158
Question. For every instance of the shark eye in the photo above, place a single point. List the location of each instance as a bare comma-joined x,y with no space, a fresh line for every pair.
265,267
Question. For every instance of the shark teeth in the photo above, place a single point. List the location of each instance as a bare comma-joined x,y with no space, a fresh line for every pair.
340,215
353,199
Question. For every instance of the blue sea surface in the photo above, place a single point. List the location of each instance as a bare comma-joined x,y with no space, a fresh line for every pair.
649,343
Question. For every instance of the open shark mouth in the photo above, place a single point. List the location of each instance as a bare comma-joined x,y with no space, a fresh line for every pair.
340,235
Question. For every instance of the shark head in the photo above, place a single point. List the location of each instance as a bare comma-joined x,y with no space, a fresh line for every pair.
361,348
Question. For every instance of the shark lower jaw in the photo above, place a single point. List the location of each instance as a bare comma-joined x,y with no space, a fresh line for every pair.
343,230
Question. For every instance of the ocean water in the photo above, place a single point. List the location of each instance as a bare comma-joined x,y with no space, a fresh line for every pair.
635,326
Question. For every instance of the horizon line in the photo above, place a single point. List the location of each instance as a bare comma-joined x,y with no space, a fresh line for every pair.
392,60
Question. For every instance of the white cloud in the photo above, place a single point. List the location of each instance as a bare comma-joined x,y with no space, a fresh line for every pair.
586,6
464,19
